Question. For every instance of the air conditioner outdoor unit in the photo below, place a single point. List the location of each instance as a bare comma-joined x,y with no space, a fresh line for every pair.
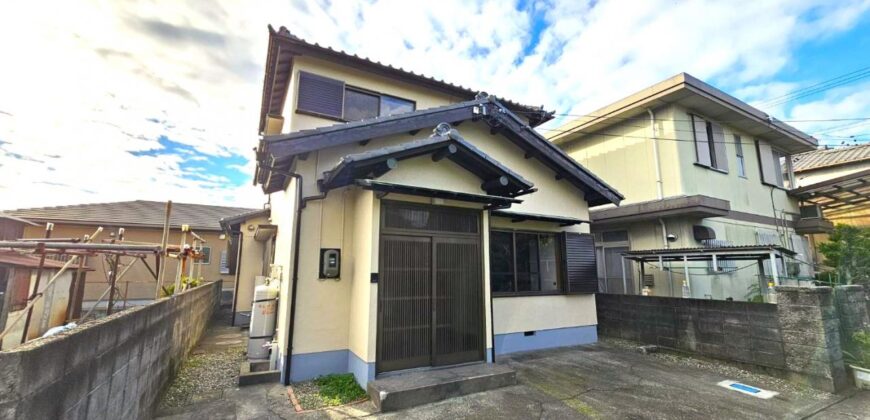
811,212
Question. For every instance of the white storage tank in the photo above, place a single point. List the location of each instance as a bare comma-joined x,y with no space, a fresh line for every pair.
263,313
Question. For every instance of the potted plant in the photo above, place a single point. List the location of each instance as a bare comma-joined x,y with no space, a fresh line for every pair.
859,359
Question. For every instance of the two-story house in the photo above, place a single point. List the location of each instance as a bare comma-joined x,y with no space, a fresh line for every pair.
419,224
700,169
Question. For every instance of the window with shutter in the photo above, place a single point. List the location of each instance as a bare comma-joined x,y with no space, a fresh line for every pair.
702,143
320,95
720,156
709,144
524,262
775,166
581,272
741,161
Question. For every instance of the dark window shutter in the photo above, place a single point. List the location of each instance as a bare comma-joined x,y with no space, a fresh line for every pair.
719,146
702,143
580,270
320,95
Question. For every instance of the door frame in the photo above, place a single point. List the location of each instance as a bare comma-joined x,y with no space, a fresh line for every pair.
432,235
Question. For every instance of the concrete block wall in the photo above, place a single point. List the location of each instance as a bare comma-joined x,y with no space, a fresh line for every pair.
808,317
114,367
852,308
801,337
739,331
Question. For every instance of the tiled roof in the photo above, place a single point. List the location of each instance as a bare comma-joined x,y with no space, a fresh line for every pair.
830,157
15,219
137,213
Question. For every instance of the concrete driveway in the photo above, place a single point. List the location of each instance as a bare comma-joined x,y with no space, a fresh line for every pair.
608,380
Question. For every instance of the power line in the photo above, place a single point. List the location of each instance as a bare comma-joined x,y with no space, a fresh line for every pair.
646,125
819,87
642,117
650,138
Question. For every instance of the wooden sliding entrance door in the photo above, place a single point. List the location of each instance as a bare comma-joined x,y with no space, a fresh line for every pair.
430,292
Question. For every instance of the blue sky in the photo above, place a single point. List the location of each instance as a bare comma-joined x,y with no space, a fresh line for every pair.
160,100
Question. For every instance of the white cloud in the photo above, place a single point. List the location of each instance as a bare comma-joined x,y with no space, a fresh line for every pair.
85,83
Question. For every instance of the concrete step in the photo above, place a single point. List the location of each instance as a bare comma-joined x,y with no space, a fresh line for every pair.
257,373
411,389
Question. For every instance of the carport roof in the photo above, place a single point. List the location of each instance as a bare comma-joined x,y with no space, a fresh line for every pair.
844,194
737,252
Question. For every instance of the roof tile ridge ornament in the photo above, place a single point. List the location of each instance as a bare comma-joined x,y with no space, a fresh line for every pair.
442,129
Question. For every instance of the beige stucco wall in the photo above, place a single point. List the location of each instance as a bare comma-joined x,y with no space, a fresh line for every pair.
745,194
363,296
250,263
138,283
341,314
622,154
283,215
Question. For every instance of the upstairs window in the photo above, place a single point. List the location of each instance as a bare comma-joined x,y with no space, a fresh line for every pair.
331,98
741,161
359,105
709,144
776,167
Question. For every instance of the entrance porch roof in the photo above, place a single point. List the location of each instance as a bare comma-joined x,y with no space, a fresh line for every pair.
491,201
445,143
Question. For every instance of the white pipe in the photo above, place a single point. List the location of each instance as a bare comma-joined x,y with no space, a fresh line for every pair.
624,278
659,187
687,283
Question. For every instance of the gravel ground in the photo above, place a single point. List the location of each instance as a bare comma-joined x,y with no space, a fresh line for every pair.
203,376
729,370
308,394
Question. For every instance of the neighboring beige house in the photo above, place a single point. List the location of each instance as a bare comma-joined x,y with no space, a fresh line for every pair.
143,222
834,182
251,238
700,170
419,224
845,171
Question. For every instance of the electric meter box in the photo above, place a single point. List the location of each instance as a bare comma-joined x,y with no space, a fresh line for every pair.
330,263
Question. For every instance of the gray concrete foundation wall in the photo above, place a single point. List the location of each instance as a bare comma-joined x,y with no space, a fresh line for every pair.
114,367
800,338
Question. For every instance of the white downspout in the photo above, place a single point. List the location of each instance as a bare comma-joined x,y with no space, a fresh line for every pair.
660,193
659,188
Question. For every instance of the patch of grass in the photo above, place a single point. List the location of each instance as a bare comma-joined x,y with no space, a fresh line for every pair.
339,389
328,391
